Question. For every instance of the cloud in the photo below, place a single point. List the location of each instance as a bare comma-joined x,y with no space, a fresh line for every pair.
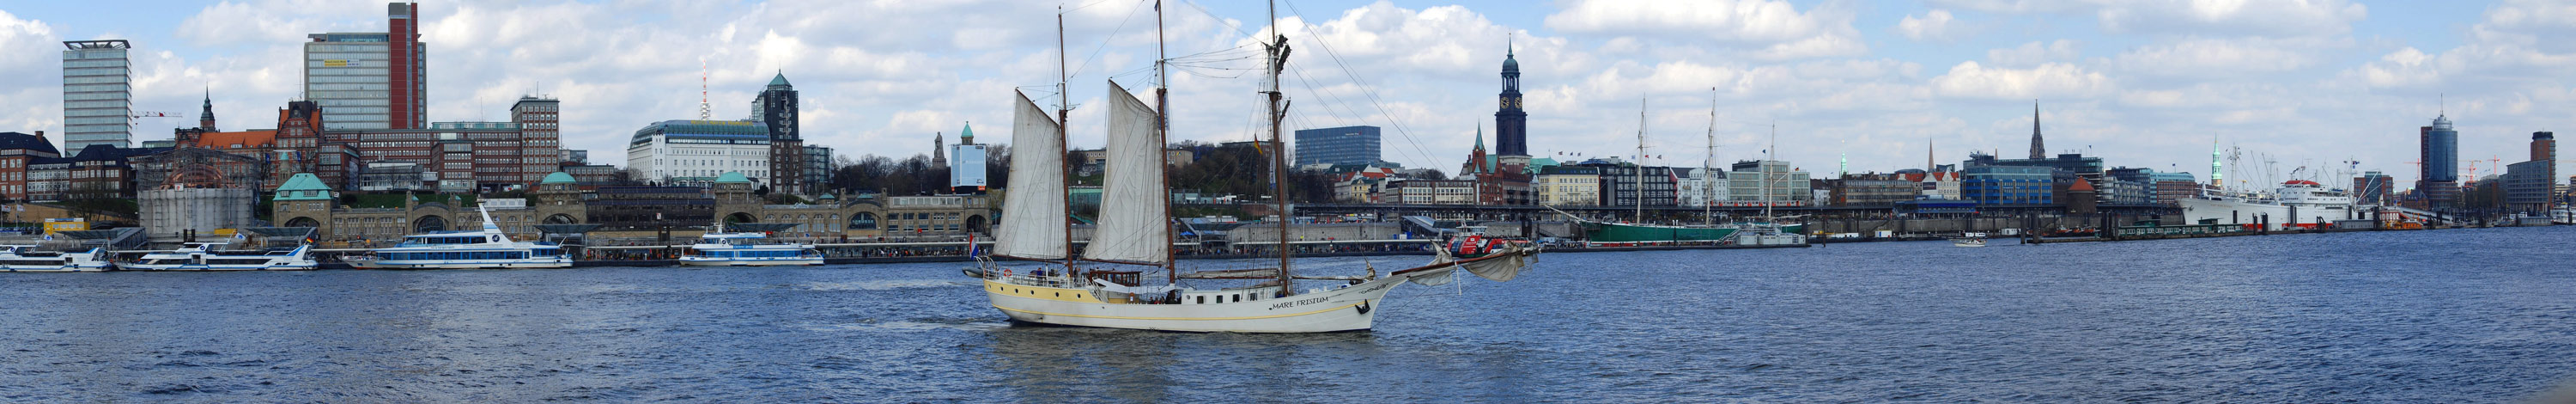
2034,53
30,75
2203,58
2272,18
2051,80
1934,26
1775,29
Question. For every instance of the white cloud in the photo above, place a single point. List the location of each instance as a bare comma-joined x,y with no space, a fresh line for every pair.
1933,26
2270,18
2052,80
2203,58
29,75
2035,53
1775,29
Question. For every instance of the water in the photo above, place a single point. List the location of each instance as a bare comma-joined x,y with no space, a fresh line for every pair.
2428,316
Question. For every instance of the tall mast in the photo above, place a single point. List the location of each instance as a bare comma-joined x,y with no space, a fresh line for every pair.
1278,158
1707,202
1064,109
1162,134
1641,159
1764,169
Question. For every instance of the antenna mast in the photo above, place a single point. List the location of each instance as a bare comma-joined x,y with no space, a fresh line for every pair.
704,112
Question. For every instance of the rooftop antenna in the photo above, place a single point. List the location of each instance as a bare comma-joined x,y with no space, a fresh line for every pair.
704,112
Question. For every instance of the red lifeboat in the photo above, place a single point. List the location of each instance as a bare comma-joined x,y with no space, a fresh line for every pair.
2294,183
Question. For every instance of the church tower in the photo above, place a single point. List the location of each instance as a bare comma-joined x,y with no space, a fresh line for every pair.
2038,150
1511,135
206,120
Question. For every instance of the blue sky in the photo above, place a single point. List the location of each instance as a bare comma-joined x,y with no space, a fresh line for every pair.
2148,83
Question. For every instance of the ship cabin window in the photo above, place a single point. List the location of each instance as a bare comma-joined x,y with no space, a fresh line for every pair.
1202,299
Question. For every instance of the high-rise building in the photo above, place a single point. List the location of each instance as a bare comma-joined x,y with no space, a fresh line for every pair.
2532,186
2440,147
1511,124
818,168
1343,145
2373,188
699,152
540,141
98,95
371,80
777,108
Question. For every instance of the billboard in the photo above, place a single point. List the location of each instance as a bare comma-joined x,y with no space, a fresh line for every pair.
966,167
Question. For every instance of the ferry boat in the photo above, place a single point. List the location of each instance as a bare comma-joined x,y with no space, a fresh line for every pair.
2563,215
484,249
745,249
2297,204
1063,288
204,257
25,258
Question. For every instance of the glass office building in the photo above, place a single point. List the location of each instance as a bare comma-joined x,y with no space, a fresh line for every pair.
98,96
1343,145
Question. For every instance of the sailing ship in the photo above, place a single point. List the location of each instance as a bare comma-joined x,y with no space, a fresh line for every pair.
718,248
25,258
479,249
1135,208
1637,234
204,257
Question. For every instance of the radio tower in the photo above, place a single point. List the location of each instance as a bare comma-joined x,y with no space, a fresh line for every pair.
704,113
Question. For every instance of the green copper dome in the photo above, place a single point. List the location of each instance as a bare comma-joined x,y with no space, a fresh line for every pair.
558,177
732,177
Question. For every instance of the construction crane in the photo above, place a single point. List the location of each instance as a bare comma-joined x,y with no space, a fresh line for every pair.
135,118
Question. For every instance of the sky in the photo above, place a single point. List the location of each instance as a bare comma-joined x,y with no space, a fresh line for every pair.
2303,84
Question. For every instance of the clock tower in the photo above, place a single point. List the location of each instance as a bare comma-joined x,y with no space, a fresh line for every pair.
1511,135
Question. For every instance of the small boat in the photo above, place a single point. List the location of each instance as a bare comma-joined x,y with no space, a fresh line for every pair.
204,257
745,249
483,249
25,258
1968,242
2563,215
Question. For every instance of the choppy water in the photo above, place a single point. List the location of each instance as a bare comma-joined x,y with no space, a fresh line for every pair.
2430,316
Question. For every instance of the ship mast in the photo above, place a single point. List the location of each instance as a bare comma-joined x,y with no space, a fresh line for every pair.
1064,109
1162,134
1641,159
1707,200
1764,172
1278,158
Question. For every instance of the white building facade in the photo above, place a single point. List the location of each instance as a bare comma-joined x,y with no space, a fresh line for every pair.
696,152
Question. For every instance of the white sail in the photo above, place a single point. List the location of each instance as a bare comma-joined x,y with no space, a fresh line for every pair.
1133,222
1032,224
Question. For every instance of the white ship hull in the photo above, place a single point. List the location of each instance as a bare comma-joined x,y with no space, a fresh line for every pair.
12,260
556,262
200,260
749,262
1249,310
2247,213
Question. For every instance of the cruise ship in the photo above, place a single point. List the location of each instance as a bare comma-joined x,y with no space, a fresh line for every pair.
484,249
204,257
25,258
2297,204
719,248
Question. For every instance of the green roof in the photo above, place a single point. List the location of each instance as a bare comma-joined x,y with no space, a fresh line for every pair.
558,177
732,177
780,81
303,187
968,133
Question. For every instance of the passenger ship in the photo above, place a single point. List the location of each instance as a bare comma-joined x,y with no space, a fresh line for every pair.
25,258
485,249
2297,204
204,257
745,249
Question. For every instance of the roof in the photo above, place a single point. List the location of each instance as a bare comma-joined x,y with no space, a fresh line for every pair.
780,81
732,177
558,177
2080,185
967,133
22,141
303,187
227,140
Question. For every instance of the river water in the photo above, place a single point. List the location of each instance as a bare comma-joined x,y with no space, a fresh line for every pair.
2425,316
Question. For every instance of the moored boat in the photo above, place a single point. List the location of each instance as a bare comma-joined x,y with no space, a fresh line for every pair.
2297,204
204,257
25,258
483,249
718,248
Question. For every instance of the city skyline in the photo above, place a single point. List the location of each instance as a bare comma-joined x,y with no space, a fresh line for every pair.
2141,84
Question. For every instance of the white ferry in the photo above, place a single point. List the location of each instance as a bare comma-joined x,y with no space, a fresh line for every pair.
204,257
745,249
484,249
25,258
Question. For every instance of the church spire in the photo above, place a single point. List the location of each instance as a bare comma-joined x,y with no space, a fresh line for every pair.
2038,149
206,120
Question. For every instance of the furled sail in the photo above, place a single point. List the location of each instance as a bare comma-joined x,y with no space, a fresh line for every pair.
1134,222
1033,212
